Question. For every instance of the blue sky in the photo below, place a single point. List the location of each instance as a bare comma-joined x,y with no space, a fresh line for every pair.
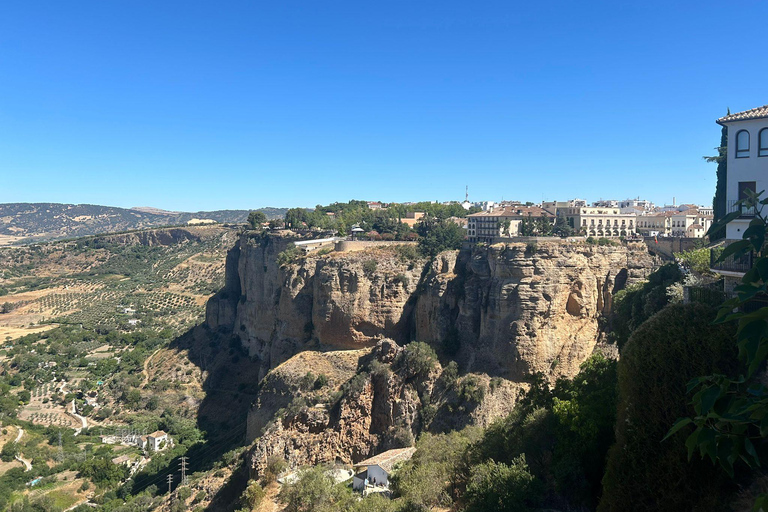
200,105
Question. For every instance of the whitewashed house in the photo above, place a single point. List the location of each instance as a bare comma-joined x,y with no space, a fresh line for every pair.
747,171
375,472
747,162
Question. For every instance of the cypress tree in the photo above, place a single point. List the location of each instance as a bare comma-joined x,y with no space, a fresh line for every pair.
718,202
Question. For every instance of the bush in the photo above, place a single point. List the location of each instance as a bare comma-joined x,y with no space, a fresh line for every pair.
501,487
288,256
253,495
275,466
417,359
184,493
637,303
315,490
434,474
662,355
370,266
401,279
471,390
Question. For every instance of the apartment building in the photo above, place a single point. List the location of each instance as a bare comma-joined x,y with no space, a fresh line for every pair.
599,221
502,222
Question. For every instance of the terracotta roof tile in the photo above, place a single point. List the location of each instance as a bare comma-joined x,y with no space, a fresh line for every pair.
755,113
388,459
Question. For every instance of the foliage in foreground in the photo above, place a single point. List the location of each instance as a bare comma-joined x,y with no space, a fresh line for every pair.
661,356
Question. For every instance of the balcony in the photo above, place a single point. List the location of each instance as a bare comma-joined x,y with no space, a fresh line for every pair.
733,263
746,212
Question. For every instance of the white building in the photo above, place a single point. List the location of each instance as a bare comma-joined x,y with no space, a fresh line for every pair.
599,221
747,162
157,440
375,472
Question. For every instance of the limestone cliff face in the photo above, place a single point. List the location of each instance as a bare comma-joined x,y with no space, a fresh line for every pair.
506,310
515,309
338,300
369,404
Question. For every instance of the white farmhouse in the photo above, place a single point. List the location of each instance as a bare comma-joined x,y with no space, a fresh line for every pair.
375,472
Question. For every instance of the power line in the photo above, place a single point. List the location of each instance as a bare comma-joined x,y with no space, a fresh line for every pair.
170,481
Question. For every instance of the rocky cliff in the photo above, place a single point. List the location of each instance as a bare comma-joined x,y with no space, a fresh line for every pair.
506,310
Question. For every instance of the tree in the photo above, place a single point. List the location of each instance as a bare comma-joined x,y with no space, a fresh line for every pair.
718,202
256,219
730,408
562,228
314,491
662,355
501,487
438,236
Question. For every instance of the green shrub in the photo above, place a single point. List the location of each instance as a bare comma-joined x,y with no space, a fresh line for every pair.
417,359
275,466
662,355
637,303
590,240
315,490
184,493
288,256
370,266
501,487
253,495
402,279
471,391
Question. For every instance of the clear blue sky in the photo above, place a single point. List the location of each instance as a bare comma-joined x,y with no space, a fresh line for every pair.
200,105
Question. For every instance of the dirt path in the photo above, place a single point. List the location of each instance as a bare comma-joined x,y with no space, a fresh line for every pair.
27,464
83,421
145,370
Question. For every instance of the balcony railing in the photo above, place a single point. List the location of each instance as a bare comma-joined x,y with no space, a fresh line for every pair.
732,263
745,211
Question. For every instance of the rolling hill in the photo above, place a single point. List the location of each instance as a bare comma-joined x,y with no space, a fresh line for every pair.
22,223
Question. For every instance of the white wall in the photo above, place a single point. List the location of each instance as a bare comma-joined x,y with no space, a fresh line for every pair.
753,168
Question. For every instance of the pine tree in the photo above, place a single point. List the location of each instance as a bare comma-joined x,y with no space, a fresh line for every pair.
718,202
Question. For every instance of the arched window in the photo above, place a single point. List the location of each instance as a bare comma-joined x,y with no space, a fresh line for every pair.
742,144
762,143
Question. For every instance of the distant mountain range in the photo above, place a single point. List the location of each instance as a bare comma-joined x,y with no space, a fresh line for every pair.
22,223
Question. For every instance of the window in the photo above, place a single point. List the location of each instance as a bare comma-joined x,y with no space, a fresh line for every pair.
744,186
742,144
762,142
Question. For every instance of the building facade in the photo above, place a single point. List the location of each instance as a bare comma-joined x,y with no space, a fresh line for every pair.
747,163
502,222
599,221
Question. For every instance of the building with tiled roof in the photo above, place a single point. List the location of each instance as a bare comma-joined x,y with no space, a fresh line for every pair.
747,160
502,222
753,113
376,470
599,221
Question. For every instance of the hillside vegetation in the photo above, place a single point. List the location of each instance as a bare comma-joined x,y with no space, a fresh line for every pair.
22,223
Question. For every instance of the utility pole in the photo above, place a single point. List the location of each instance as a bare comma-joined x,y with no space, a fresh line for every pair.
184,470
170,481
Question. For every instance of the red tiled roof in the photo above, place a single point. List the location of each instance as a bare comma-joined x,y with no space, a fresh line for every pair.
754,113
514,211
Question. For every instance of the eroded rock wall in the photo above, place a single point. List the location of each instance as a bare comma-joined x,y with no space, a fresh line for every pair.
506,310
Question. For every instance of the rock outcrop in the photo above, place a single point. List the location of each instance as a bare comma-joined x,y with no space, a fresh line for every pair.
507,310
